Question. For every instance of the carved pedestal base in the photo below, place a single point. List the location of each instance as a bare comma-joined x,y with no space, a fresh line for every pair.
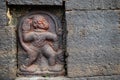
42,73
42,69
43,78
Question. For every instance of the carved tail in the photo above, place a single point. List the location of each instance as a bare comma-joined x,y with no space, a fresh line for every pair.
24,46
57,23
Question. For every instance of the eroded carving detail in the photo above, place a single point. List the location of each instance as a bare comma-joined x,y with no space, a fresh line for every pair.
38,34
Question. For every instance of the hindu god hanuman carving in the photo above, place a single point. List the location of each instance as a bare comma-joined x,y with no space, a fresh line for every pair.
37,37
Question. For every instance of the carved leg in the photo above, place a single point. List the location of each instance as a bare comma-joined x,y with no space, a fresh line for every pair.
32,57
50,54
51,60
29,67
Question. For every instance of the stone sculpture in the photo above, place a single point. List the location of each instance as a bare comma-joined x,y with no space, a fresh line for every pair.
38,32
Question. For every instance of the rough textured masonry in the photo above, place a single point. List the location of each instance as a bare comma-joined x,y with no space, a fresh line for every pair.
7,53
3,9
98,35
93,39
34,2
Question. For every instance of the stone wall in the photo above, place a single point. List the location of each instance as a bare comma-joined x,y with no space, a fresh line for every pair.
93,37
8,49
3,10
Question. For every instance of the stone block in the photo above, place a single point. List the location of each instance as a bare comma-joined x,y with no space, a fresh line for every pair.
3,19
111,4
92,4
34,2
93,43
7,53
113,77
78,4
2,4
42,78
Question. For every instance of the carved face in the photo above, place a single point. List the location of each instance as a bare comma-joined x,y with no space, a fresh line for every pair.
39,22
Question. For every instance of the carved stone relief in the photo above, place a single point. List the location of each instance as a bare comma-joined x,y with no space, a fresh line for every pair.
40,35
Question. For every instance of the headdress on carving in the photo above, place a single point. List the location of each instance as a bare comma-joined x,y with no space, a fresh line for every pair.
39,22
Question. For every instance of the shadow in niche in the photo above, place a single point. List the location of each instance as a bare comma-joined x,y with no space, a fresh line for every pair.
18,11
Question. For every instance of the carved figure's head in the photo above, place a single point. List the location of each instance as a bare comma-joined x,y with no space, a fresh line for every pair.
39,22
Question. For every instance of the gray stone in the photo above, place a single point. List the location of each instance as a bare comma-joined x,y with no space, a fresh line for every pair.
34,2
113,77
2,4
111,4
78,4
93,43
42,78
7,53
3,19
92,4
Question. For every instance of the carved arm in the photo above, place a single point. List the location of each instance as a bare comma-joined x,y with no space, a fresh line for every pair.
28,36
51,36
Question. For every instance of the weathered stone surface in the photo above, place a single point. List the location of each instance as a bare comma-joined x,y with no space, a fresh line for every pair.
92,4
115,77
93,43
3,19
2,4
111,4
78,4
105,78
34,2
7,53
42,78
